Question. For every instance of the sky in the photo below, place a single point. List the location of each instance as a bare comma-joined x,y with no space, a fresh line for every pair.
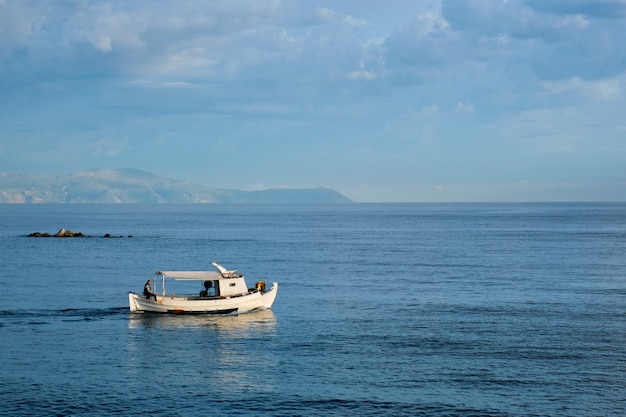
383,101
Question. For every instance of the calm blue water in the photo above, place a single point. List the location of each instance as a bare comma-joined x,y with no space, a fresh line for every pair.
392,310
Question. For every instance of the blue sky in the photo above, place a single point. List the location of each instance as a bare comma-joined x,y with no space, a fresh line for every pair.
403,100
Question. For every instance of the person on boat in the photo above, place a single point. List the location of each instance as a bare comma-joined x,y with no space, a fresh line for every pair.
147,291
205,291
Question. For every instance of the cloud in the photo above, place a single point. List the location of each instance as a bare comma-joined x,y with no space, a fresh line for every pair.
502,55
17,24
597,53
610,90
362,75
513,18
606,9
484,52
558,40
191,41
158,84
111,147
324,15
440,86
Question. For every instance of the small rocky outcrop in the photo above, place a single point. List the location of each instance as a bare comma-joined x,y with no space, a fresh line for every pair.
39,234
66,233
61,233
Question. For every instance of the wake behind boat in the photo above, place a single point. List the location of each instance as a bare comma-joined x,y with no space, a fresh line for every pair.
225,292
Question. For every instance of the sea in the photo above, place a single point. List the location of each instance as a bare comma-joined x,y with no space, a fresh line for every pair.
382,310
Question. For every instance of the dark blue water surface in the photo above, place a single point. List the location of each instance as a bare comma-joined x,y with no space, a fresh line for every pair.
383,309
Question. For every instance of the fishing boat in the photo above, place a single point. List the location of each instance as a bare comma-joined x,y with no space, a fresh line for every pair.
222,292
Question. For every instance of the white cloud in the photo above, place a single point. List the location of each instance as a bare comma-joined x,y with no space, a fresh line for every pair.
111,147
362,75
464,107
609,90
324,14
158,84
351,21
103,43
431,22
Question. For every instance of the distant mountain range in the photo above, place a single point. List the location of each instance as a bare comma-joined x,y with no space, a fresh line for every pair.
134,186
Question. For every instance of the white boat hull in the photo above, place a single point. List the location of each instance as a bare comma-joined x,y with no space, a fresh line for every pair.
257,300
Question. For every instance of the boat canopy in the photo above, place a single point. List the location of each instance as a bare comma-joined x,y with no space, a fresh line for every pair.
201,275
190,275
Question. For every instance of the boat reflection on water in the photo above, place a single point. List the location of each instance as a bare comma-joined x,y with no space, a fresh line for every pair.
260,321
235,352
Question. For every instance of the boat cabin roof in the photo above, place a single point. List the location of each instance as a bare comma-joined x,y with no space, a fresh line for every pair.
191,275
201,275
